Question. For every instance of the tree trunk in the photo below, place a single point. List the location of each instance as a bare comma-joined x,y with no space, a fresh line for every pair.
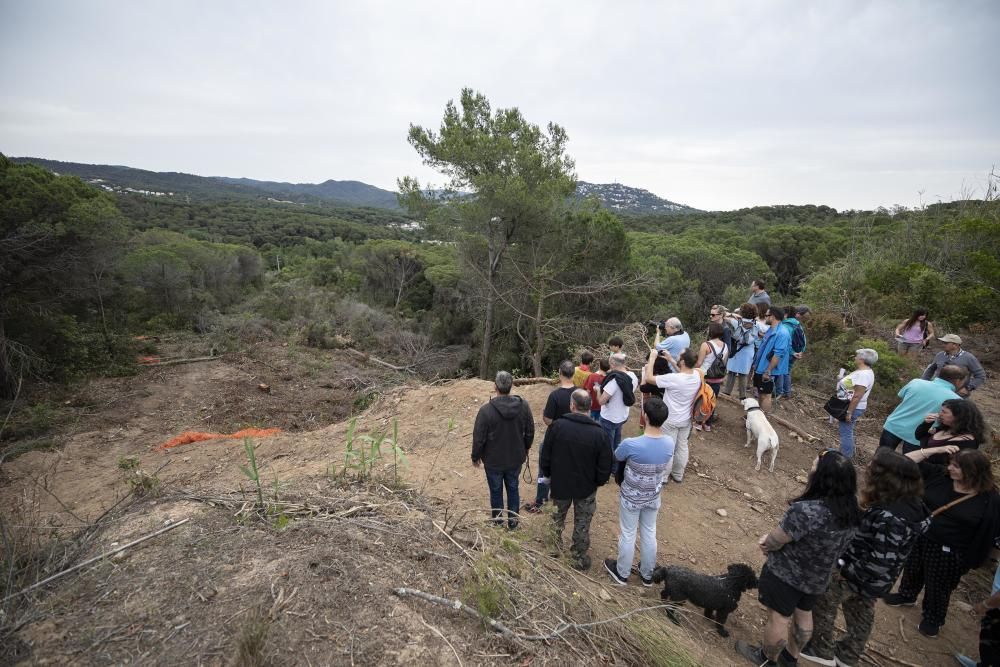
484,356
536,356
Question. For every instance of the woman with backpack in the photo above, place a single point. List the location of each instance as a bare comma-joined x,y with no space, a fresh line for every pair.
914,334
712,357
741,351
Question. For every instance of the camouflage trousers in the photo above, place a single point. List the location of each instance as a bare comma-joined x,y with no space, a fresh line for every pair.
583,514
859,617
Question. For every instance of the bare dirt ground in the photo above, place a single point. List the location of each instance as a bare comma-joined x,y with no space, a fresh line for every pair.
320,586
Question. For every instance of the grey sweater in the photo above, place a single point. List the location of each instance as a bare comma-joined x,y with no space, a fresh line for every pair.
977,376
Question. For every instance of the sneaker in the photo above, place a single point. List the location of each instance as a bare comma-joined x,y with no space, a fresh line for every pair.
646,581
611,565
965,661
841,663
697,426
754,654
532,508
675,480
928,629
899,600
708,427
809,654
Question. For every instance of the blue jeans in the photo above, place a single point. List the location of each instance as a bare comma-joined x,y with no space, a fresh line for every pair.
782,385
596,415
614,433
628,522
847,433
497,481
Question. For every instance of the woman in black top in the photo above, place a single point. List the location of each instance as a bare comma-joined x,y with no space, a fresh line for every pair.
959,422
966,520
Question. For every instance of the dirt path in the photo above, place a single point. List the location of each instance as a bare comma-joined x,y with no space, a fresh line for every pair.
84,475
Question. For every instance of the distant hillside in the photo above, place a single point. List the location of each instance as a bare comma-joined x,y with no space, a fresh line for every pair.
354,192
175,185
623,199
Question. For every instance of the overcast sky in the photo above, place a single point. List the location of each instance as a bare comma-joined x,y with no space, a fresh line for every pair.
716,105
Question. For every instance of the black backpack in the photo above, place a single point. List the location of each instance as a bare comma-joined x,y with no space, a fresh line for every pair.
624,383
718,367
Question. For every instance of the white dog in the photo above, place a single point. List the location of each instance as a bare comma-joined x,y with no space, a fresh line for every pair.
759,427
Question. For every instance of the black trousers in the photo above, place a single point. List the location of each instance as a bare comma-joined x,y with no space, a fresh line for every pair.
888,440
935,570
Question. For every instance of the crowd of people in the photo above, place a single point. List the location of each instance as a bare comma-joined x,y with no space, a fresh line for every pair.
925,515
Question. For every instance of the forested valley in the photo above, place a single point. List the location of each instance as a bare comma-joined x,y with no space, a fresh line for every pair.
518,264
83,272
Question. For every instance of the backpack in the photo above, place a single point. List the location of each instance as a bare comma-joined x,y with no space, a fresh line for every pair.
718,367
798,339
704,402
737,334
624,383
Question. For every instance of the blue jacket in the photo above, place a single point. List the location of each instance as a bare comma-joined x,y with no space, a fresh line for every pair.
793,323
777,341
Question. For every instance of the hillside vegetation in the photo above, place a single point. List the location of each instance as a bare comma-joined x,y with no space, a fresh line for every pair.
84,270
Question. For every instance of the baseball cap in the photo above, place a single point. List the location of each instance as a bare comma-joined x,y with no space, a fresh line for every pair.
951,338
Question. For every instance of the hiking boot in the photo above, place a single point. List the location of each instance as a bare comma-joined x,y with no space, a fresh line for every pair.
786,659
810,654
899,600
611,565
928,629
754,654
532,508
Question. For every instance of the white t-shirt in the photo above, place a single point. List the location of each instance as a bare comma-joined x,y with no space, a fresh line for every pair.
615,410
680,392
714,348
863,378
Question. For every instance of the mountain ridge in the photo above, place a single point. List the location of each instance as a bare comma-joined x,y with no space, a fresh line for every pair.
124,179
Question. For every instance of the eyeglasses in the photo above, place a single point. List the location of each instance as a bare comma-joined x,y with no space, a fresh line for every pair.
715,314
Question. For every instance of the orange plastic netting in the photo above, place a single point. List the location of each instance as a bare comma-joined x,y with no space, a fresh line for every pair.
188,437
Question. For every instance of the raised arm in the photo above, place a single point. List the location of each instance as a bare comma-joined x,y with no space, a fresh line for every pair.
919,455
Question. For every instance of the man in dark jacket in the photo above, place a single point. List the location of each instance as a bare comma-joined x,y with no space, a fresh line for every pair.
501,439
576,456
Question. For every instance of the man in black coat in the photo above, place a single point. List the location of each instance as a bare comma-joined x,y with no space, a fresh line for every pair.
576,456
501,439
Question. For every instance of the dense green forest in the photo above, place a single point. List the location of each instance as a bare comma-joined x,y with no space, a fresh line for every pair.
83,271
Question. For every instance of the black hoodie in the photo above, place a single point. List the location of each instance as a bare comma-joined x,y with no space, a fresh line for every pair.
576,454
503,433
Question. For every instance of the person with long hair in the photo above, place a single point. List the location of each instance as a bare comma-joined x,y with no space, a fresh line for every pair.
712,350
966,519
894,517
959,422
913,334
801,552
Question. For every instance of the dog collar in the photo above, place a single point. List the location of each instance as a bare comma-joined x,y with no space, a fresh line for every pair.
752,409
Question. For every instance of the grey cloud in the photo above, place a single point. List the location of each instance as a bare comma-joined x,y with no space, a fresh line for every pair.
718,105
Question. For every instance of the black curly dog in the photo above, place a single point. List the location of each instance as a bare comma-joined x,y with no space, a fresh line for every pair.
718,595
